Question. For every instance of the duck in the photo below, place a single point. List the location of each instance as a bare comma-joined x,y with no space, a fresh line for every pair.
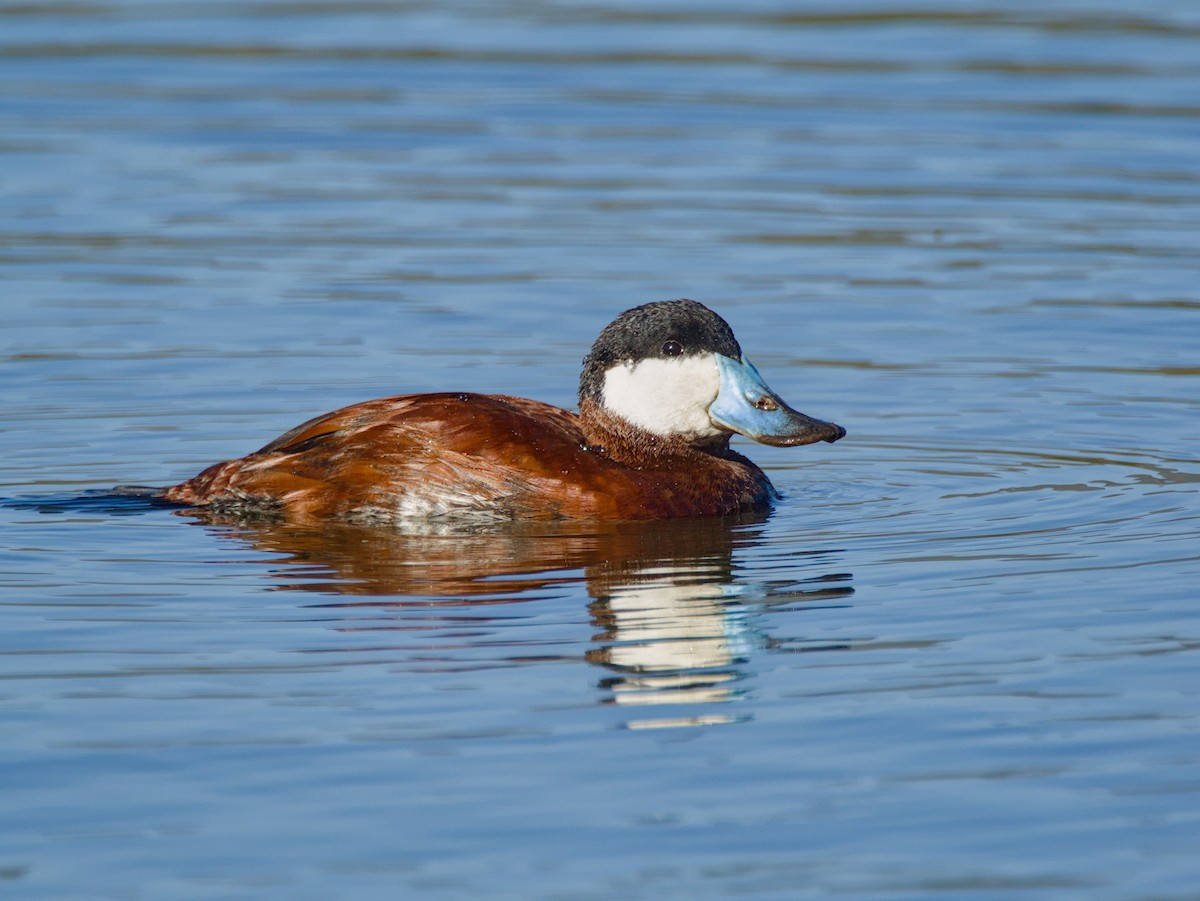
662,391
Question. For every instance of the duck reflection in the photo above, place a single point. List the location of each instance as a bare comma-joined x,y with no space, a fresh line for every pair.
674,623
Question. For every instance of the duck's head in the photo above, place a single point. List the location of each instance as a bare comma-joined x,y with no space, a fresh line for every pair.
675,370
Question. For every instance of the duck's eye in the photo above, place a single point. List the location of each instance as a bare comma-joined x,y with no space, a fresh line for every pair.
672,348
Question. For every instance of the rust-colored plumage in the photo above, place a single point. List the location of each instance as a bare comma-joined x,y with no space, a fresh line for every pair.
472,456
648,448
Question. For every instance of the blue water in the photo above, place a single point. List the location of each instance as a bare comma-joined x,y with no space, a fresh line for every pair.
959,660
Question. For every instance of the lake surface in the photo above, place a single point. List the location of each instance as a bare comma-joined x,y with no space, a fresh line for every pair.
960,660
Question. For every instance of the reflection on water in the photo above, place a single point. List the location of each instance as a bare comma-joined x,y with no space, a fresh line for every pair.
485,563
676,634
672,635
674,621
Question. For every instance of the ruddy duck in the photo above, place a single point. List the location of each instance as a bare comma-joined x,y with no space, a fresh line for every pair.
661,392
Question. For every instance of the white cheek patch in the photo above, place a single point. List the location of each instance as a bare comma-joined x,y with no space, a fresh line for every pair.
668,396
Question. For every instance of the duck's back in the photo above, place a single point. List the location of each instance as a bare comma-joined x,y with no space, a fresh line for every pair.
413,456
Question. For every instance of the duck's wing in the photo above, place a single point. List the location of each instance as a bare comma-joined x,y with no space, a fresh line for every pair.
410,456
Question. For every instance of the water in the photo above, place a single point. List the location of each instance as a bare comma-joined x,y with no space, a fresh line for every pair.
957,661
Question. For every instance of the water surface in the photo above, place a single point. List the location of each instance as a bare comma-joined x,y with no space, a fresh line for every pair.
957,661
